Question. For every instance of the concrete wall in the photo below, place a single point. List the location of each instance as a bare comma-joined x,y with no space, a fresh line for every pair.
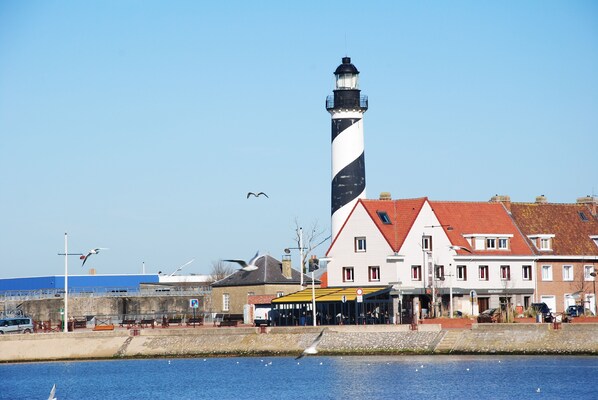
49,309
374,339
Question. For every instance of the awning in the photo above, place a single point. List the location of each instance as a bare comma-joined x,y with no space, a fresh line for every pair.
328,294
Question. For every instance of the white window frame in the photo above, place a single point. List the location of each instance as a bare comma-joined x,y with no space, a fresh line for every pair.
505,272
427,242
547,273
486,270
491,243
360,244
416,273
587,270
374,273
461,272
348,274
526,272
545,243
503,243
568,273
225,301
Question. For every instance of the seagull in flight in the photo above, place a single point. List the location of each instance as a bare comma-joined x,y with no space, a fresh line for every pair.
312,347
257,195
455,247
90,252
52,393
247,266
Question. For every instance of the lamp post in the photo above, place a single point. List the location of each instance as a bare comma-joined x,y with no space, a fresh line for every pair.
66,282
66,279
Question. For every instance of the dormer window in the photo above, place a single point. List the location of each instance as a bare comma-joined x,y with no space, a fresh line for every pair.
480,241
595,239
542,242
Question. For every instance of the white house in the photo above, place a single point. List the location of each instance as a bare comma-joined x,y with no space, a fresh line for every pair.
427,249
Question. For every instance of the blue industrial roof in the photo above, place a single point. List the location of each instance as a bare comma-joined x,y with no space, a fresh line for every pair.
76,282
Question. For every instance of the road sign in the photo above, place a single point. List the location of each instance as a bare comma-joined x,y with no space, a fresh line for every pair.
194,303
359,291
344,299
360,299
473,294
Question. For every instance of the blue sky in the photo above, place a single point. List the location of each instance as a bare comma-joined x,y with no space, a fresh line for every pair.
141,125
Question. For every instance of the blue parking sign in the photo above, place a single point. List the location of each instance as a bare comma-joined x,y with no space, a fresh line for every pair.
194,303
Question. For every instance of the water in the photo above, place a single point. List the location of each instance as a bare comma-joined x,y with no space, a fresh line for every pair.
366,377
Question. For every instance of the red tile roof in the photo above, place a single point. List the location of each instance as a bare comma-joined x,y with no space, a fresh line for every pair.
572,234
402,214
465,218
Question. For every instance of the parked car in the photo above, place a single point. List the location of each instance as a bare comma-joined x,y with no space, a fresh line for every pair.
490,315
16,325
542,308
575,311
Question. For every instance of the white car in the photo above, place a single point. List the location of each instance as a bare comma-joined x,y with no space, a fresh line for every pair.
16,325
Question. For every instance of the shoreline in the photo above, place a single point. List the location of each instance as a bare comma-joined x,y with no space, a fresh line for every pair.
481,339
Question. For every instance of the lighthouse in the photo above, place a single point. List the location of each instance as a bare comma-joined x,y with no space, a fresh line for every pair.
346,106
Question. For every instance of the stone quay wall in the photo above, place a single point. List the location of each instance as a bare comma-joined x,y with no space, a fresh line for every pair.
279,341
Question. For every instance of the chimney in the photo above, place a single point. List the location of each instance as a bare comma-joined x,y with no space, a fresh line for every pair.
591,202
504,199
541,199
385,196
92,271
287,270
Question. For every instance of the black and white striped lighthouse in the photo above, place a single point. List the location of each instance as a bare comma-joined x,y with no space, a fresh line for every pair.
346,106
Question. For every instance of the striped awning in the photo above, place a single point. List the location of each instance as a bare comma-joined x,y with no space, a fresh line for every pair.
328,294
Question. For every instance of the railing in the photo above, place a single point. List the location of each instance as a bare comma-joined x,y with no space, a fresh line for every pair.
363,102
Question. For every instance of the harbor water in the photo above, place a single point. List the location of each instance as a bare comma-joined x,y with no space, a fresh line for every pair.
313,377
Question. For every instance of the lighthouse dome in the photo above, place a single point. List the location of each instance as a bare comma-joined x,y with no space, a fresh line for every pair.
346,67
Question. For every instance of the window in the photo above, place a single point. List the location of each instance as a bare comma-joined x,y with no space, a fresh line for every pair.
546,272
347,274
461,272
588,270
479,243
374,274
545,244
483,272
250,294
359,244
505,272
279,294
583,216
491,243
416,272
439,272
225,301
427,242
384,217
567,272
503,244
527,273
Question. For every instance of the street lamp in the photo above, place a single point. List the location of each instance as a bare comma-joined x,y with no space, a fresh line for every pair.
66,280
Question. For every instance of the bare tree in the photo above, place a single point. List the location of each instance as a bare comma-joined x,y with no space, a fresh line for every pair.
312,238
220,270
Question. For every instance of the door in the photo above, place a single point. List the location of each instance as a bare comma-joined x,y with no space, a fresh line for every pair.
483,303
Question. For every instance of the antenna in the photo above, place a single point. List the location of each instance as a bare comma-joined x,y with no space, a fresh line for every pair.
346,53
